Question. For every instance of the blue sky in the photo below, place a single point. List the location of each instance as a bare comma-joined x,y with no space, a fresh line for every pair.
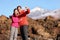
7,6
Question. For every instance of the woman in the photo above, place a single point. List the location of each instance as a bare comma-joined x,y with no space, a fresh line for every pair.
15,25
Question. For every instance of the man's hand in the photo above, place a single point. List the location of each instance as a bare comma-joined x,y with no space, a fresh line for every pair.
26,7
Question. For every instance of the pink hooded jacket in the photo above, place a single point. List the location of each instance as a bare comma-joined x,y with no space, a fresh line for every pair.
15,21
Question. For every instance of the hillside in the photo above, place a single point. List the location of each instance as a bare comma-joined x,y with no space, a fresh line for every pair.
42,29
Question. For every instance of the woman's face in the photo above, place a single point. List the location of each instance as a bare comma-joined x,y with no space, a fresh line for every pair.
16,12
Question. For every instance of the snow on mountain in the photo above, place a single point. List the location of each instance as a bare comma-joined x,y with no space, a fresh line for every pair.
38,13
37,9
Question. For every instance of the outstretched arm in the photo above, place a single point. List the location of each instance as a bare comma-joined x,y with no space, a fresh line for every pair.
27,10
24,13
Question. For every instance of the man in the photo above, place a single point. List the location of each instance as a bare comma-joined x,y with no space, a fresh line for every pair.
23,21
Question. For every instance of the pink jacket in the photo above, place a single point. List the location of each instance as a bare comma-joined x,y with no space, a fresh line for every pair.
15,21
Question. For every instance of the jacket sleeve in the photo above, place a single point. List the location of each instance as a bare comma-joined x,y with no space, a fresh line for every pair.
24,13
28,11
21,13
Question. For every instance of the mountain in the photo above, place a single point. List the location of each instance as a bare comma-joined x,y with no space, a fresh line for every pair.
38,13
42,29
38,29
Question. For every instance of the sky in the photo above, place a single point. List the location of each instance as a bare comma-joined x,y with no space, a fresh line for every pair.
7,6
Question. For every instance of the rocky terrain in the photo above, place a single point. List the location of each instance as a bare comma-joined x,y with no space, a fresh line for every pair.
39,29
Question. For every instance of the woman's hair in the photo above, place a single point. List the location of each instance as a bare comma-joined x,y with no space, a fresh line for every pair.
18,7
14,11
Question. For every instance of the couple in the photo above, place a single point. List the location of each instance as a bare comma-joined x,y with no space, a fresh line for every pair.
19,19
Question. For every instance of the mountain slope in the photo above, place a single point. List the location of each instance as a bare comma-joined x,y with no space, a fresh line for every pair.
40,29
38,13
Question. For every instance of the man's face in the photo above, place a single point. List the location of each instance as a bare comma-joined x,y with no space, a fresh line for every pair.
19,8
